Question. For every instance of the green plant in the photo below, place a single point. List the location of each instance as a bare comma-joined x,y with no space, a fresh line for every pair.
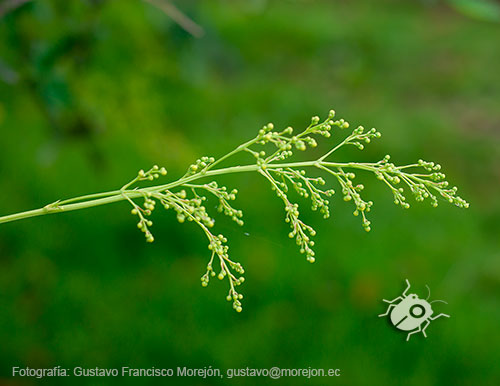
270,149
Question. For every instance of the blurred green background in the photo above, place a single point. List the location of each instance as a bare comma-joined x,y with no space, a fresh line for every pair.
92,91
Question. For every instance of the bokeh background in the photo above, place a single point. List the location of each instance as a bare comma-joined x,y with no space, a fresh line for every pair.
92,91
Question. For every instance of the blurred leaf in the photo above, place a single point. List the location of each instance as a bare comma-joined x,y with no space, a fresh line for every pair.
487,10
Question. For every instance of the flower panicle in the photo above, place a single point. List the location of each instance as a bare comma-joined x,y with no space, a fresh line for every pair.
269,150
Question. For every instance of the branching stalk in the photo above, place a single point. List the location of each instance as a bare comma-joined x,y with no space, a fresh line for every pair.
270,150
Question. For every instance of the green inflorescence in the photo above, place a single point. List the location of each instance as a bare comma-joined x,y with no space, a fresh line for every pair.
270,151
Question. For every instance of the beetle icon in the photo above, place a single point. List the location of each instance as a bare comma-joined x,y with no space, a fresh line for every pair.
411,313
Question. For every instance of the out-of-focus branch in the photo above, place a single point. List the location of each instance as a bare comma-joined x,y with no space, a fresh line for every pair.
10,5
177,16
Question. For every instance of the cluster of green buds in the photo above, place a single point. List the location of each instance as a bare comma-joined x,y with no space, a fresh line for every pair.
149,204
224,196
188,203
352,192
219,248
191,207
306,187
300,231
144,222
285,141
200,166
270,150
421,185
193,210
153,173
360,136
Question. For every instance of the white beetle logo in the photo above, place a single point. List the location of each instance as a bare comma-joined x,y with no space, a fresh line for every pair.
411,313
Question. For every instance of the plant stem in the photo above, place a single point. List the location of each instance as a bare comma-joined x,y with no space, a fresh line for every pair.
104,198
